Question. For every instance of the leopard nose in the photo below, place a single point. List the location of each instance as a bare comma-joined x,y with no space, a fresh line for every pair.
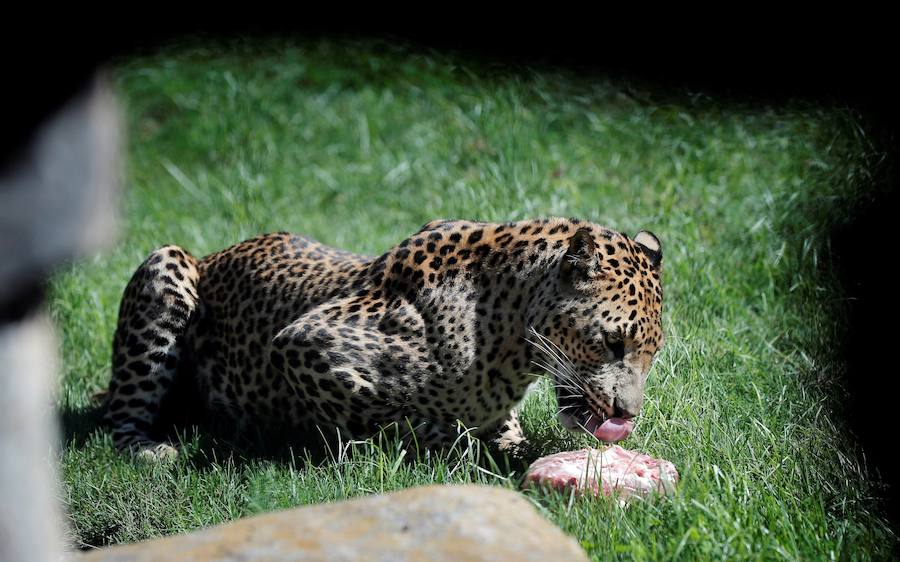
622,410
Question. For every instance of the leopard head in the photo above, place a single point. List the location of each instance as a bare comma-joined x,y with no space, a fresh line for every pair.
599,328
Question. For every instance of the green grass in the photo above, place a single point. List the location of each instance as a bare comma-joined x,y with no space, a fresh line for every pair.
359,145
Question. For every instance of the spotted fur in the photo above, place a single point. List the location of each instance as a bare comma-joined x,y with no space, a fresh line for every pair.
281,329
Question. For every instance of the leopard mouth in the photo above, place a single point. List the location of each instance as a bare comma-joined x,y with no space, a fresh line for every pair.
585,418
608,430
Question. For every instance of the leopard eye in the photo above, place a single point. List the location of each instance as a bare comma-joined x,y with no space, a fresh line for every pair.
617,347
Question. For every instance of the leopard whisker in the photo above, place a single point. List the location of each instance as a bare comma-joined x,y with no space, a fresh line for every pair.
553,370
551,347
561,379
565,369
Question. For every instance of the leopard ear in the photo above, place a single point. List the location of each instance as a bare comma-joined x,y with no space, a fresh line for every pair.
580,260
650,245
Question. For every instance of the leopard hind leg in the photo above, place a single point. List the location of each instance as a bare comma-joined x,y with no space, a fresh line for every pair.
158,304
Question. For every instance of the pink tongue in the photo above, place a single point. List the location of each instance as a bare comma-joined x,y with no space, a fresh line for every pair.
613,429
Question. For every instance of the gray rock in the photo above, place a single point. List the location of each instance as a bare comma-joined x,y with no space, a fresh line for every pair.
436,523
57,201
60,198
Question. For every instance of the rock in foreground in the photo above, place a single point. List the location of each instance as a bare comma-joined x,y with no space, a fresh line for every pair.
452,523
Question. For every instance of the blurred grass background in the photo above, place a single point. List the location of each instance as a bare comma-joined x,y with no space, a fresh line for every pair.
359,144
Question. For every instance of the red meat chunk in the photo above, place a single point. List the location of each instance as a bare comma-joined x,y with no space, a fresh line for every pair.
610,470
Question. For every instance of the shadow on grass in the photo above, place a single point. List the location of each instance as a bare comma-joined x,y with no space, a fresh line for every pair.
216,441
857,237
77,425
210,440
859,250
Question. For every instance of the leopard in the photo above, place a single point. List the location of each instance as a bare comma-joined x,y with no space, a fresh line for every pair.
449,328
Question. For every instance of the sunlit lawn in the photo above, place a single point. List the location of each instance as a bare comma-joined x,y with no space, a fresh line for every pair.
359,145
